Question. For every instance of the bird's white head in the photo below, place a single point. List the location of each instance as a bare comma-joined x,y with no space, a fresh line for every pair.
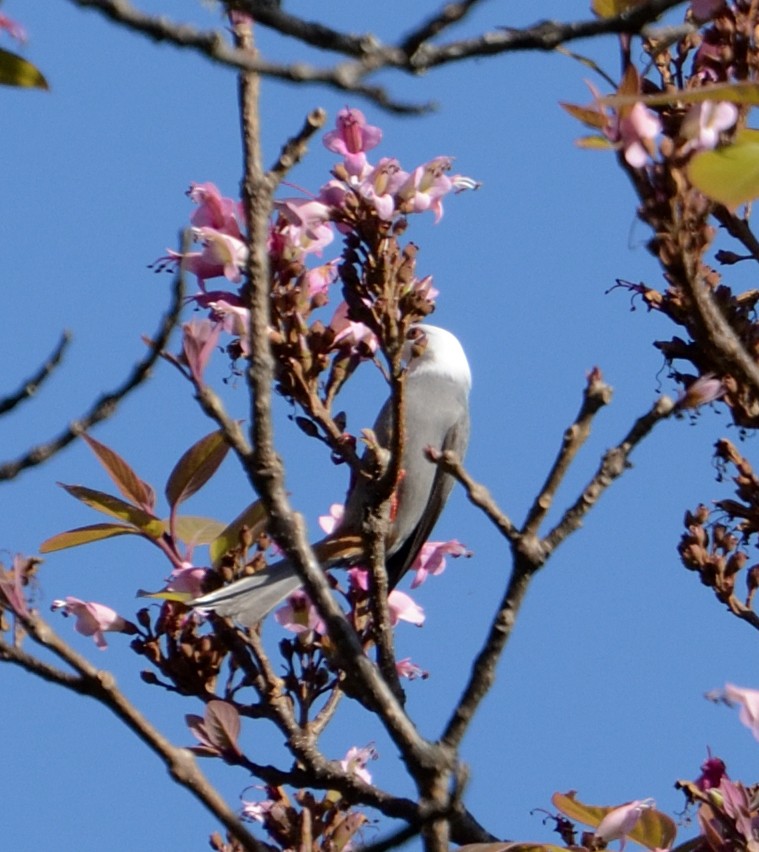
442,355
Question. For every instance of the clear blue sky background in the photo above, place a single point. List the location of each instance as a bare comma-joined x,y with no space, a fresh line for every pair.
601,688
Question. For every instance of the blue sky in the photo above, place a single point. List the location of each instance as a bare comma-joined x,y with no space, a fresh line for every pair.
601,687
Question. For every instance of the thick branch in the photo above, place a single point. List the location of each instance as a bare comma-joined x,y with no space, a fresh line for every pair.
264,466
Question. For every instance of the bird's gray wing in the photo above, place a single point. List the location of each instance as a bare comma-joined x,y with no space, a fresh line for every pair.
456,439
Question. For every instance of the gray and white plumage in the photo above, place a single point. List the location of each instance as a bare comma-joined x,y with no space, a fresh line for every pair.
436,415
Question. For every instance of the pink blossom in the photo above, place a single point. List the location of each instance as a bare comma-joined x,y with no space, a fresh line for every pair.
234,319
358,578
748,701
704,122
431,559
214,211
349,334
427,184
199,338
257,811
222,256
424,287
299,615
402,607
637,129
14,29
307,228
93,619
330,522
408,669
712,773
619,822
353,134
381,185
352,138
319,279
355,760
187,580
704,389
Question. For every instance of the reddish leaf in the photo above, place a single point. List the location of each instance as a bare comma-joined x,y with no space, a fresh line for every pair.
223,725
125,479
587,115
196,467
145,523
218,731
84,535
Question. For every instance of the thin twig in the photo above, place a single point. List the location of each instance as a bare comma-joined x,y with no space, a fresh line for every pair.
545,35
106,404
447,16
478,494
368,55
295,148
482,675
596,395
31,385
613,465
530,553
737,228
344,76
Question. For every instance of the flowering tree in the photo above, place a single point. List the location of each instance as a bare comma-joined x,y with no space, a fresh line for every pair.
304,292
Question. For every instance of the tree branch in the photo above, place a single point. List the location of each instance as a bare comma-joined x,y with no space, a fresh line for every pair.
31,385
596,395
101,686
106,404
613,465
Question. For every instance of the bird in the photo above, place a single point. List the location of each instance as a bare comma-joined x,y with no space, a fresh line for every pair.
438,382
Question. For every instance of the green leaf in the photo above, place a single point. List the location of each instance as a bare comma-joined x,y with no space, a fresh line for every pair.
145,523
730,174
192,529
84,535
16,71
125,479
254,517
196,467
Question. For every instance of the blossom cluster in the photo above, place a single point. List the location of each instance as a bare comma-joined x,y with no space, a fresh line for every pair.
362,199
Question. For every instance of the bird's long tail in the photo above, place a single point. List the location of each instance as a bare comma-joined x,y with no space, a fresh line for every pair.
251,599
